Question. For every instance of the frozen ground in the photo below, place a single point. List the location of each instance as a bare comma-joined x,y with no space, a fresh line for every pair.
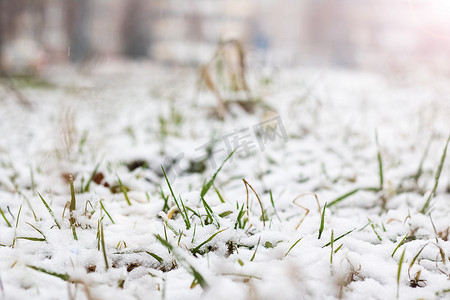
323,124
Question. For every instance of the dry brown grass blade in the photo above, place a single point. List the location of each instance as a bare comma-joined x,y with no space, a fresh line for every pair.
319,208
302,219
441,251
241,51
172,212
231,55
257,197
207,79
295,202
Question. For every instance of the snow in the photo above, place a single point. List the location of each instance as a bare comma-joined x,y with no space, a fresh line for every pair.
114,116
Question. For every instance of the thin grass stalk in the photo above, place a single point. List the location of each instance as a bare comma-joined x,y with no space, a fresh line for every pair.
436,179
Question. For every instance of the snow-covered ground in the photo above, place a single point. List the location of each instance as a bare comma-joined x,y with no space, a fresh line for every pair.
313,134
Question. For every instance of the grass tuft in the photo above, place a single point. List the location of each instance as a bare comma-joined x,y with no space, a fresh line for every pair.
211,216
183,262
241,220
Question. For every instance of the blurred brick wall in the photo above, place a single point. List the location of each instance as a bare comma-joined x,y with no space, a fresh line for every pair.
347,33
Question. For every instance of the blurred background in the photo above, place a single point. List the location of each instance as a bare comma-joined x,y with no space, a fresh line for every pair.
379,35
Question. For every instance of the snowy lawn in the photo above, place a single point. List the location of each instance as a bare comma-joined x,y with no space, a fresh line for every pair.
338,188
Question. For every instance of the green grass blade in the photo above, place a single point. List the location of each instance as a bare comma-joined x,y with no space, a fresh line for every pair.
17,224
194,213
322,221
186,217
346,195
182,211
72,194
164,242
293,246
18,216
219,195
208,185
124,190
34,227
210,213
159,259
444,291
195,250
399,244
165,199
339,199
239,223
374,230
34,239
338,248
256,249
167,224
102,241
225,213
422,160
49,210
331,246
104,209
198,277
62,276
33,183
399,271
98,234
338,238
74,233
416,256
86,187
380,162
273,205
436,179
72,208
4,217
